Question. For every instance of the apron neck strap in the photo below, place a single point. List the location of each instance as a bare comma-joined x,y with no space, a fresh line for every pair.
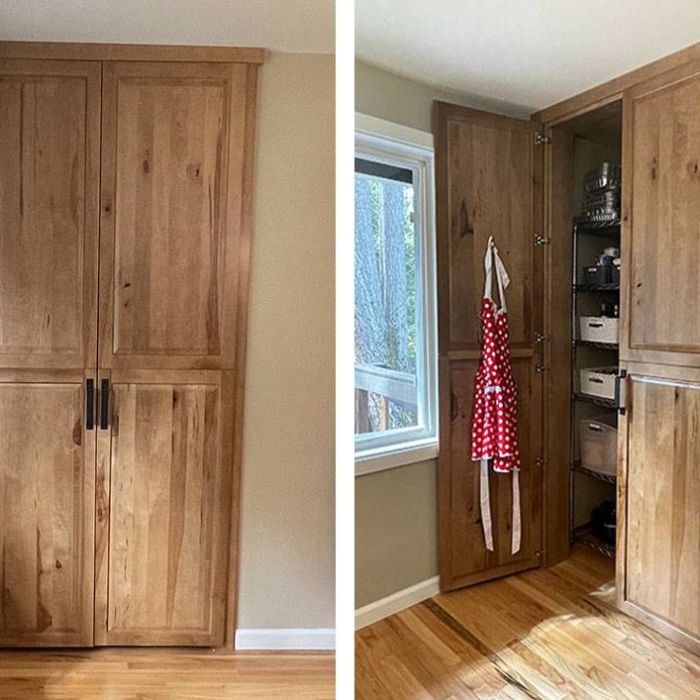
491,259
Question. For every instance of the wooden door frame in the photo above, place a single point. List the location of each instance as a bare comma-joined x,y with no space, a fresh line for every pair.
240,186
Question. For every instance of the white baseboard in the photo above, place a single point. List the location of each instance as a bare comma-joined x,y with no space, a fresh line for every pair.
290,638
396,602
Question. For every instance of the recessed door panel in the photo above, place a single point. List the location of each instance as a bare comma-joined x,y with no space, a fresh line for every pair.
47,477
164,515
663,165
168,279
663,500
49,148
467,558
487,186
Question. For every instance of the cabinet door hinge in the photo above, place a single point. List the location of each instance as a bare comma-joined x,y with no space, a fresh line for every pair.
539,368
542,240
541,139
540,462
541,337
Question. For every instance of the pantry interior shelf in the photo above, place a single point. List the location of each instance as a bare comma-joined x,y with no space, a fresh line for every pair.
608,478
607,403
598,228
596,288
588,539
600,346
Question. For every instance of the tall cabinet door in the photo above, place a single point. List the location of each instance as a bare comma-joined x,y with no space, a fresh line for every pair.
49,169
659,498
175,155
489,175
163,509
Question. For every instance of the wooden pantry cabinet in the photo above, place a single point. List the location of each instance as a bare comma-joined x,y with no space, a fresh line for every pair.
520,181
125,197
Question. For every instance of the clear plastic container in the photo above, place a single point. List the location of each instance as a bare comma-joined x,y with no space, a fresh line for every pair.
598,444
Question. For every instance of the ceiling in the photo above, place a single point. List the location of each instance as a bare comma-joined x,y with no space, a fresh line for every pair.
530,53
296,26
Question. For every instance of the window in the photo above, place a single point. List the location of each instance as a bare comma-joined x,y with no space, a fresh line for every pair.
395,357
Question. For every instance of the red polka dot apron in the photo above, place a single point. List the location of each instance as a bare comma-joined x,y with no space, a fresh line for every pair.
495,407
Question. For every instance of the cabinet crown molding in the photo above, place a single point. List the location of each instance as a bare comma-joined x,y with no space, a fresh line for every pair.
65,51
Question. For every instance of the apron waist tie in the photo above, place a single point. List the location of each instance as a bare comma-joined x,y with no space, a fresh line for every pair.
485,503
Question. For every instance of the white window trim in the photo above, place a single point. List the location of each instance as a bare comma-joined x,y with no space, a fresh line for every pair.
415,150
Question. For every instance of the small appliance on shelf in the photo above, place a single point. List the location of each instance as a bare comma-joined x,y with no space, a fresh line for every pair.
605,272
603,522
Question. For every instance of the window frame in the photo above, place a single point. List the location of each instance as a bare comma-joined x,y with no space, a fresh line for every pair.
380,140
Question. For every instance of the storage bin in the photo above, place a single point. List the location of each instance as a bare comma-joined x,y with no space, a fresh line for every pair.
601,276
598,381
598,443
599,329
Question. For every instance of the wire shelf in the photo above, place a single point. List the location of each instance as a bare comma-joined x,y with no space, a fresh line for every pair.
596,288
607,403
588,539
607,478
600,346
607,227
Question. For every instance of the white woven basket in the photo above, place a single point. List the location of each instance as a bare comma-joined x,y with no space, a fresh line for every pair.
598,381
600,329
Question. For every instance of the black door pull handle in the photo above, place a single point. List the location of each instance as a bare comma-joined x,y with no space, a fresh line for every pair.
104,404
89,404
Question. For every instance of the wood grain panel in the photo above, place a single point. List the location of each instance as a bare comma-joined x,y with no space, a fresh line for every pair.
168,513
47,462
662,484
663,164
488,174
468,560
173,163
49,147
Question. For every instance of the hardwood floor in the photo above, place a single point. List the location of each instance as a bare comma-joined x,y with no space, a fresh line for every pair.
138,674
548,633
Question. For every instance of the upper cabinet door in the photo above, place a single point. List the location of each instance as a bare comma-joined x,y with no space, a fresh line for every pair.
489,176
173,164
49,174
662,219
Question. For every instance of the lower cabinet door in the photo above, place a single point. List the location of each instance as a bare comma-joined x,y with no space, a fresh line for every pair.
659,507
163,510
47,482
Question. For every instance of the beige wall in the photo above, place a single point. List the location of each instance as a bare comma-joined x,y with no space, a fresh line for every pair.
396,510
406,102
287,523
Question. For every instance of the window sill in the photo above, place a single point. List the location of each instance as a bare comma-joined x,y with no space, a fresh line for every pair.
384,458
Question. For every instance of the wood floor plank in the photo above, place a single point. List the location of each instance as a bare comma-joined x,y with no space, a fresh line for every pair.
141,674
547,634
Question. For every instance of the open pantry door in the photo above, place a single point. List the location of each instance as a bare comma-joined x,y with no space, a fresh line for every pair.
489,172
